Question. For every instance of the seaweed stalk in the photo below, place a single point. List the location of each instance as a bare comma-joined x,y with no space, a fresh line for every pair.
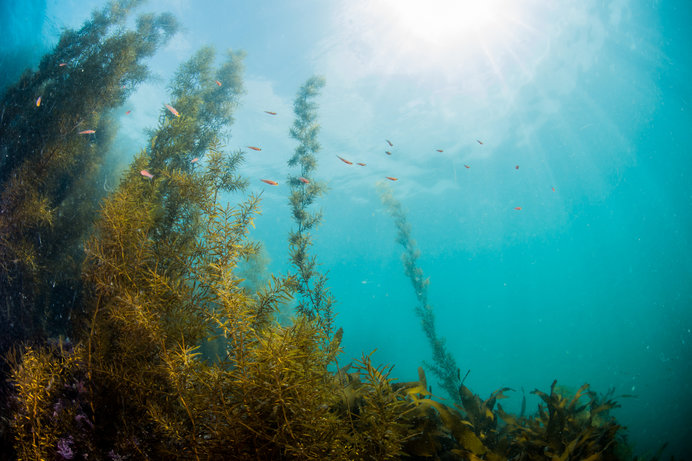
315,300
443,366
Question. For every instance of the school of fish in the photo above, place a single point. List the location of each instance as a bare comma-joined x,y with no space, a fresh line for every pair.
270,182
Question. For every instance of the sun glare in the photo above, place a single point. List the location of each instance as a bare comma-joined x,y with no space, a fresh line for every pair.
439,22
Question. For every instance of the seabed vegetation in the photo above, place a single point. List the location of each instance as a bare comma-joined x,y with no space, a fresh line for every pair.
127,331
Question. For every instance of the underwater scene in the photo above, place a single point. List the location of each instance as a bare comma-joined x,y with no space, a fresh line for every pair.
353,230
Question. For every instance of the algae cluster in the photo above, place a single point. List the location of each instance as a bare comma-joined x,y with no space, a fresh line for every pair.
109,299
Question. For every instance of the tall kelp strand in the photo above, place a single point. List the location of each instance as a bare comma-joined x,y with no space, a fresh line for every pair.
48,170
315,301
444,366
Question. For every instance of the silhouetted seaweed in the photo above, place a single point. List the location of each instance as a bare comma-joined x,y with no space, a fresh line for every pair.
443,365
49,172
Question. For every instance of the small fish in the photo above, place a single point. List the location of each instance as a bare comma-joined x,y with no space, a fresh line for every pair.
360,163
516,167
269,112
517,208
87,132
173,111
553,189
392,178
218,82
466,166
439,150
303,180
479,141
389,142
146,174
194,160
62,64
128,112
38,101
347,162
387,152
254,148
270,182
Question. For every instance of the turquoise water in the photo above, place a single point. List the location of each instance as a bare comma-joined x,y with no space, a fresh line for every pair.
588,282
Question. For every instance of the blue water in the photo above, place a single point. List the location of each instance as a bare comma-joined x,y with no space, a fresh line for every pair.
589,282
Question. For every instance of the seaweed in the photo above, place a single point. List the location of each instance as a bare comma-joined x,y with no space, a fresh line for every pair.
49,172
315,300
577,426
443,365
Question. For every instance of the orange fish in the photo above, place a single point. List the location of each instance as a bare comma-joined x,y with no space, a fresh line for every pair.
218,82
270,182
391,178
38,101
173,111
553,189
387,152
516,167
389,142
517,208
254,148
194,160
439,150
479,141
128,112
303,180
345,161
269,112
146,174
87,132
466,166
360,163
62,64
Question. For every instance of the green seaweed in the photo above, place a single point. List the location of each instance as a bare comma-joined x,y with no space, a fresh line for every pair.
315,300
443,365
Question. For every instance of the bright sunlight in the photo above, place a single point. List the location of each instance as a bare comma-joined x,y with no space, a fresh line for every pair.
439,22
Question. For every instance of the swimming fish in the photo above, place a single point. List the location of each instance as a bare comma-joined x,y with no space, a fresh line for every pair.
516,167
87,132
146,174
466,166
254,148
387,152
553,189
128,112
391,178
479,141
360,163
347,162
389,142
194,160
269,112
439,150
38,101
303,180
62,64
218,82
173,111
270,182
517,208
